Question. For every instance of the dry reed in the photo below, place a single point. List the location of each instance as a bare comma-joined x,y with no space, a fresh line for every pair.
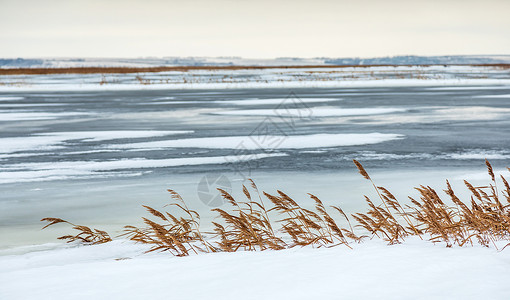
246,225
85,234
124,70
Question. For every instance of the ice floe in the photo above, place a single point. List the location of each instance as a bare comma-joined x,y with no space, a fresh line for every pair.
75,169
262,141
311,112
32,116
55,140
10,98
276,101
494,96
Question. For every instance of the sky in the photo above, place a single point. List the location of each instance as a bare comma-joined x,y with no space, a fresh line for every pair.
252,29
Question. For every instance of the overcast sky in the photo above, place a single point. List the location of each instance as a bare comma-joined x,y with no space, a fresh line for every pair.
252,29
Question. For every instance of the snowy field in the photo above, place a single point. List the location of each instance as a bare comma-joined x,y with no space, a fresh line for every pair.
376,76
92,149
413,270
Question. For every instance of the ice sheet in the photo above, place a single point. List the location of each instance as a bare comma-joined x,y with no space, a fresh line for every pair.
55,140
311,112
22,105
10,98
72,169
477,87
276,101
29,116
494,96
258,141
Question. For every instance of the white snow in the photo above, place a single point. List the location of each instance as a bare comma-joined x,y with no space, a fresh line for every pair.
112,135
382,76
9,98
494,96
311,112
276,101
477,87
28,172
273,101
15,144
372,270
164,98
29,116
440,114
22,105
479,155
55,140
475,154
369,155
175,102
263,141
256,84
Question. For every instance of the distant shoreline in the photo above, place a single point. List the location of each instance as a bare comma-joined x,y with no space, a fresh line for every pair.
124,70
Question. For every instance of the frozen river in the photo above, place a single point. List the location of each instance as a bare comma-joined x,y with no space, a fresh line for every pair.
94,157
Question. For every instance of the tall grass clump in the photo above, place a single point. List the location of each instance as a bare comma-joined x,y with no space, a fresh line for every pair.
250,225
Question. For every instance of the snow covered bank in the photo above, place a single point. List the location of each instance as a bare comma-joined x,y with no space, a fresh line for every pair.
252,85
372,270
357,77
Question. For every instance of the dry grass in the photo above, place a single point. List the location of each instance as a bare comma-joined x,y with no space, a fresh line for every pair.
124,70
246,225
84,235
